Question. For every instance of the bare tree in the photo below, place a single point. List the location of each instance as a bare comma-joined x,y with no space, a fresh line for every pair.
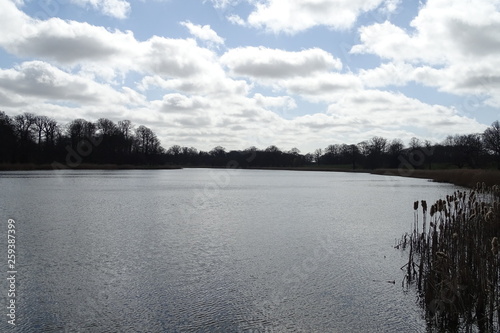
39,126
125,127
50,129
106,126
23,125
317,155
147,141
376,148
491,138
415,143
218,151
377,145
273,149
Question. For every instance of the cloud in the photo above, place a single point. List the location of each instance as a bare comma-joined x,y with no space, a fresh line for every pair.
216,85
322,86
178,102
266,63
37,79
388,110
69,42
454,47
115,8
444,32
387,74
223,3
236,19
13,22
298,15
107,53
278,102
204,33
175,57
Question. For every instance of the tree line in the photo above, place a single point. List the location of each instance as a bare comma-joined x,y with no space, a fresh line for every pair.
30,138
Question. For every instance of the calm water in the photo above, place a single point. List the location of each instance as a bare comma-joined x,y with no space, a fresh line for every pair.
203,250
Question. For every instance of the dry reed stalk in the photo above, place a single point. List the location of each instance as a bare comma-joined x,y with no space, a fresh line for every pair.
455,261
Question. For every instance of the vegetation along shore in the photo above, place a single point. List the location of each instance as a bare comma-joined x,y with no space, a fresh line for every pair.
33,142
454,260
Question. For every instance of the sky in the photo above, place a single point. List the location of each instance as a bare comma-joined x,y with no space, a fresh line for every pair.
239,73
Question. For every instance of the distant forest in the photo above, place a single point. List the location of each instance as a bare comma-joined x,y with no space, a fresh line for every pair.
34,139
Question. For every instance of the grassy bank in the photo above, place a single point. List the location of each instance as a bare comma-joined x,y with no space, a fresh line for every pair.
29,166
461,177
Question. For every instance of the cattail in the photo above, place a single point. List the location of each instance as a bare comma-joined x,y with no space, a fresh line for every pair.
424,206
442,255
415,205
489,216
494,245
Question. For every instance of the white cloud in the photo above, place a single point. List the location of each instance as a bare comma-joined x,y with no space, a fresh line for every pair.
178,102
37,79
322,86
387,110
216,86
398,74
69,42
204,33
223,3
115,8
107,53
455,47
275,102
236,19
265,63
175,57
292,16
13,22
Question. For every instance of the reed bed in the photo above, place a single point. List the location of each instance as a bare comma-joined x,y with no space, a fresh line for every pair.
454,260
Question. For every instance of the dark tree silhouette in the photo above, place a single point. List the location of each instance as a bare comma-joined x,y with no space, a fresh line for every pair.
491,137
29,138
8,139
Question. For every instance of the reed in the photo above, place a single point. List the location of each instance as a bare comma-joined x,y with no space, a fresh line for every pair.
454,260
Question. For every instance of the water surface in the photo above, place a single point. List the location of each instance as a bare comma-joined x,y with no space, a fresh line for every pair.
201,250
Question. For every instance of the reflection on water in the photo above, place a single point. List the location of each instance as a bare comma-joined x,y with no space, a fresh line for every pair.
202,250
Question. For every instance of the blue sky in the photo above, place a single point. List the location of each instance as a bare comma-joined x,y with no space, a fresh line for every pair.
241,73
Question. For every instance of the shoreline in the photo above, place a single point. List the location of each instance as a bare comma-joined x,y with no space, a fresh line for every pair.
460,177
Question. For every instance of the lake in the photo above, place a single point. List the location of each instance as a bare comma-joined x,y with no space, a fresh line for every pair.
210,250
